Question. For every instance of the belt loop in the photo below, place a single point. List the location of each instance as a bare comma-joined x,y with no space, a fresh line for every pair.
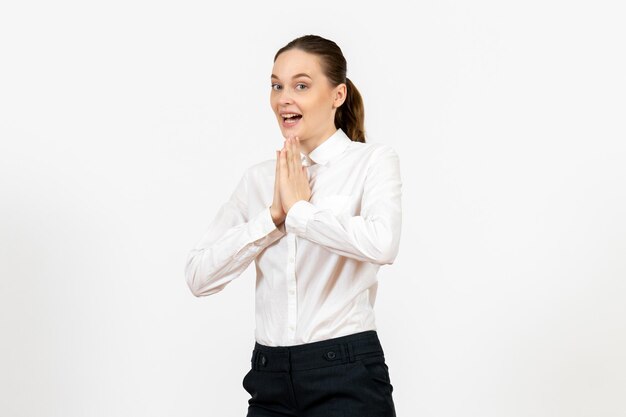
344,356
350,352
288,360
255,356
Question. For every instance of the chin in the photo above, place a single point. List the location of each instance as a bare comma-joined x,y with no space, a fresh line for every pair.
286,132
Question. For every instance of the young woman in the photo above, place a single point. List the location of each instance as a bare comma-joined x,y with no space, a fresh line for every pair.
318,221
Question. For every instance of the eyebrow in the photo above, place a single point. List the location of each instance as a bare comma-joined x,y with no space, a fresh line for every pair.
302,74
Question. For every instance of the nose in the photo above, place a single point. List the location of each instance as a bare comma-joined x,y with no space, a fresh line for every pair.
284,97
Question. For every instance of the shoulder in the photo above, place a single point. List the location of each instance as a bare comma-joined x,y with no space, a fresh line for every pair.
381,160
383,149
374,151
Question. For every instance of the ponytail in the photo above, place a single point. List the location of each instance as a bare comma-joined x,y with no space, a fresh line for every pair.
350,116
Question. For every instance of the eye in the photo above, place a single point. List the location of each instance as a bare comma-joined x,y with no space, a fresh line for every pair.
275,85
304,85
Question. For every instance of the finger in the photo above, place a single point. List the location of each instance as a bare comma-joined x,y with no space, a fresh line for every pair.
298,154
276,176
295,158
288,155
296,146
283,163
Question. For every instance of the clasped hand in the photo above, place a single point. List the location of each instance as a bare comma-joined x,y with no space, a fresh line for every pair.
292,181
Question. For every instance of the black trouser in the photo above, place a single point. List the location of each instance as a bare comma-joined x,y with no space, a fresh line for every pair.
341,377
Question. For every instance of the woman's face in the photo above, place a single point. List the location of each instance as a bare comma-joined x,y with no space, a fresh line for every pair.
300,87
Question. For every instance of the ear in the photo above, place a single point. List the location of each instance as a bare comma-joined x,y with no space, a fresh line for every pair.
339,94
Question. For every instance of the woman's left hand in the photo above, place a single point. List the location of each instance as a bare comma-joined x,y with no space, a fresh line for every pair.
294,179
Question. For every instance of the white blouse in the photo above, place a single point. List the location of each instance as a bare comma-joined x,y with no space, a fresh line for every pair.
315,273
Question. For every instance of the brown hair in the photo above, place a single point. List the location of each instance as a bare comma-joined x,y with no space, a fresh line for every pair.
350,115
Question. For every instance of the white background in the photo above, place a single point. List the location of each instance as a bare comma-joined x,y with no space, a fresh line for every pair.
124,125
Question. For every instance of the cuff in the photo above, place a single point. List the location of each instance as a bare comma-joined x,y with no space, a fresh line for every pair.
298,216
264,231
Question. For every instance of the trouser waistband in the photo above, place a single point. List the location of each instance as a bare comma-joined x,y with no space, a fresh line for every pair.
318,354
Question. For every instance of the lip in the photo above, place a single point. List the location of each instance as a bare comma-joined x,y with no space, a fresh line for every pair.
288,112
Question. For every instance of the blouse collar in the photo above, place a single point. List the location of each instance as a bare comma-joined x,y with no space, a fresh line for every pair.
327,150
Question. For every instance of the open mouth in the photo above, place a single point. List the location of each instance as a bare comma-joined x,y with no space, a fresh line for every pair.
291,119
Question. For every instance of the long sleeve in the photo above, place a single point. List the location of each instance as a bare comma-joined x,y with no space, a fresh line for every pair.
230,243
374,235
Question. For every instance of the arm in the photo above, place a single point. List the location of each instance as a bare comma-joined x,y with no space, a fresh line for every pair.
230,243
374,236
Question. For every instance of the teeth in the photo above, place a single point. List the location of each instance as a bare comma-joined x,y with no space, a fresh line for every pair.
288,115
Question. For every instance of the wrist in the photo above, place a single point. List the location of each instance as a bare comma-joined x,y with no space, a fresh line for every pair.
276,218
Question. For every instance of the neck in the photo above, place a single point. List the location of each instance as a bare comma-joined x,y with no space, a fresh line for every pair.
310,144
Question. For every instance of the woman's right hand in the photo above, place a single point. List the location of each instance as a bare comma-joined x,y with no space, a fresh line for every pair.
278,214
